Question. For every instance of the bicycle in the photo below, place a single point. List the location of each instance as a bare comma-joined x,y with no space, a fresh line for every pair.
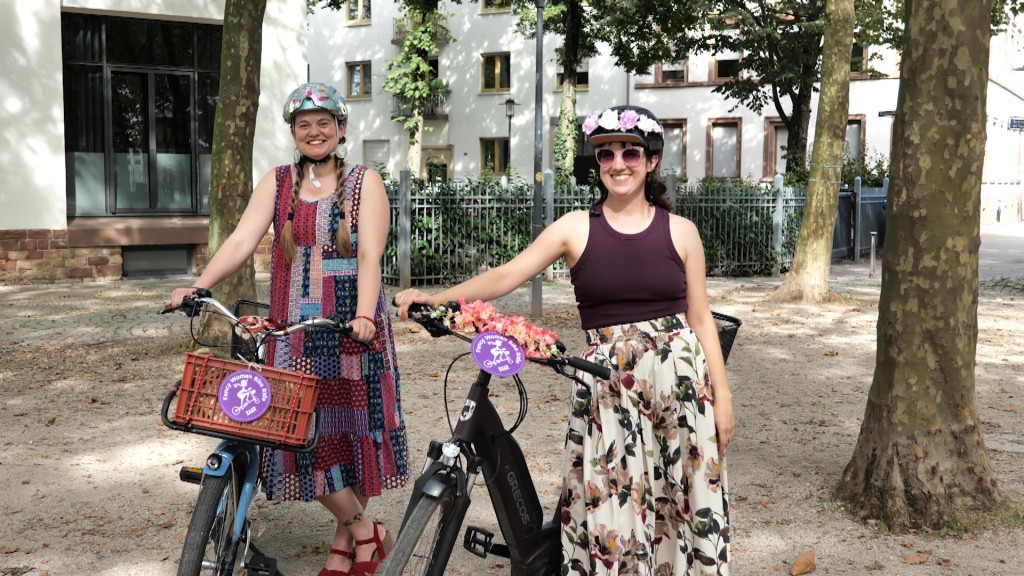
228,480
441,494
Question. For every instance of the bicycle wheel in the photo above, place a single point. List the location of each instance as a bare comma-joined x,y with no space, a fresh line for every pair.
425,542
208,547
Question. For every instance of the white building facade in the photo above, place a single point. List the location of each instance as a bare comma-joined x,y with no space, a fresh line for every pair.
488,63
107,108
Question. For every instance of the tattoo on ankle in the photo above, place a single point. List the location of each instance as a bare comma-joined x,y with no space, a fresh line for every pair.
353,520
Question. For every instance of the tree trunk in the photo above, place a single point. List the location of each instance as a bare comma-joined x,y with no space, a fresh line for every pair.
565,136
565,147
807,279
233,131
799,121
414,158
920,460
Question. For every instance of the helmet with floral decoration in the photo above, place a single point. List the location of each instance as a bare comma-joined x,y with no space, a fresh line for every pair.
312,96
625,124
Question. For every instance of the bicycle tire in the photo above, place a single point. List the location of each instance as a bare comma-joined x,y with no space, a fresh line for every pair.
427,538
207,549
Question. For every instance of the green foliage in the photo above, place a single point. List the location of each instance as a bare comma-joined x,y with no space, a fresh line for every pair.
464,226
733,231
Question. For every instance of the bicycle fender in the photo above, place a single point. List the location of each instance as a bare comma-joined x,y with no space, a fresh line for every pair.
227,459
437,484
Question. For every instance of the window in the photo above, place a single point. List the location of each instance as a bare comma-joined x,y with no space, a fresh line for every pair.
377,154
723,148
358,12
726,63
673,155
726,69
495,5
437,163
359,80
496,72
854,147
582,79
151,154
858,63
494,155
670,73
775,139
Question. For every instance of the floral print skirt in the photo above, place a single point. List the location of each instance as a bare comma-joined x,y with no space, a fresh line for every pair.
645,491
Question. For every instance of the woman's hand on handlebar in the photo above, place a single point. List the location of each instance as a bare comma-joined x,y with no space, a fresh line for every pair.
177,296
363,329
406,298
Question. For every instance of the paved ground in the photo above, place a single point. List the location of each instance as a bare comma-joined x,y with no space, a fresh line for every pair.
83,314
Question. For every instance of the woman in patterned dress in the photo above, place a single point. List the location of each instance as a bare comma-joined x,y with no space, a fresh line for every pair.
645,486
330,223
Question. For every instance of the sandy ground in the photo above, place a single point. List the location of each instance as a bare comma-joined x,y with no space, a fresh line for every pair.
90,474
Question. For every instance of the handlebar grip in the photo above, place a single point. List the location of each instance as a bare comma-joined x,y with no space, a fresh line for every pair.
602,372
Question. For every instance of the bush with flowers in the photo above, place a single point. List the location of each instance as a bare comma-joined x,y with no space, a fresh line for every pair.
478,316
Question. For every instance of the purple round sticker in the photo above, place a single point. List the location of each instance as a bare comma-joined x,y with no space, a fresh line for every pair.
498,355
244,395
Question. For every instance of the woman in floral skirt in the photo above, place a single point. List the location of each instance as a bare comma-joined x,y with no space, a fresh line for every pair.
645,487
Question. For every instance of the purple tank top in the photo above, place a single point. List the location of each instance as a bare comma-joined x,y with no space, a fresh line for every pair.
622,278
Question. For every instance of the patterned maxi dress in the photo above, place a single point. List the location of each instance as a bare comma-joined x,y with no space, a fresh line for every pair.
363,436
645,492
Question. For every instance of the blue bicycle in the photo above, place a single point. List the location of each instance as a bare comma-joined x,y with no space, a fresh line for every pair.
247,405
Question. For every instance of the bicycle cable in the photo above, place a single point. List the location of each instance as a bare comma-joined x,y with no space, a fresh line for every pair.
444,391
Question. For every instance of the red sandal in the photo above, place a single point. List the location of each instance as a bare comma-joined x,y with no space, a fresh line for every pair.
350,554
383,547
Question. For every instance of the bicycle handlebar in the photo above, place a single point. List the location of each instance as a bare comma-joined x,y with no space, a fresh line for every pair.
435,326
193,305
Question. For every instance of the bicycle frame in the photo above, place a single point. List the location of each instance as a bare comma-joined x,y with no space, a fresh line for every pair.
481,437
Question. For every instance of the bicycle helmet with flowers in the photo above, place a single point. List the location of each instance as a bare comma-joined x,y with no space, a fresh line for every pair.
313,95
625,124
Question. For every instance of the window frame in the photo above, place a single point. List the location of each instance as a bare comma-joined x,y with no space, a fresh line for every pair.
364,8
709,169
496,141
89,69
500,7
498,57
365,71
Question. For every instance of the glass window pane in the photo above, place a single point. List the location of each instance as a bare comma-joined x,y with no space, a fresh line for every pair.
506,71
173,127
82,38
128,41
208,45
490,75
172,44
725,150
130,132
781,139
83,125
852,150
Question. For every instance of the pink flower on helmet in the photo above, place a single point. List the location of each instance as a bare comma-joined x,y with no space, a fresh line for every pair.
590,124
628,120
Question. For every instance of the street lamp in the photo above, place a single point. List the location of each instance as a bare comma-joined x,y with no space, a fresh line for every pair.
536,287
510,111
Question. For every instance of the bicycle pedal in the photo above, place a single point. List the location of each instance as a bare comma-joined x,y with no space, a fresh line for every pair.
481,543
191,474
260,565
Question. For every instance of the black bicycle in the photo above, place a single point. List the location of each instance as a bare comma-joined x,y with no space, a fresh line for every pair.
480,443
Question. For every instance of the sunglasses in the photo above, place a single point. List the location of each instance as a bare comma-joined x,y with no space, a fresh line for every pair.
630,156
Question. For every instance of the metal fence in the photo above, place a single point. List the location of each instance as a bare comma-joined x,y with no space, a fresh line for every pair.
446,232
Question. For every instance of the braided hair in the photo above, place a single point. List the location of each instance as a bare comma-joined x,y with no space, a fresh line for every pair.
343,240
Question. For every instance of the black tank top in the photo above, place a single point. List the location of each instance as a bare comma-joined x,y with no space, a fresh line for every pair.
623,278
